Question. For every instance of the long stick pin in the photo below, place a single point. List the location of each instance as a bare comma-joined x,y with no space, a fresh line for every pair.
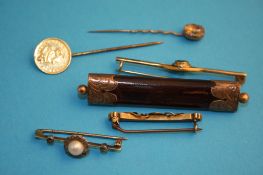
191,31
53,55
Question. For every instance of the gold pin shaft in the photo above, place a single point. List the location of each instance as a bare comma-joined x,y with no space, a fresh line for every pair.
116,48
40,133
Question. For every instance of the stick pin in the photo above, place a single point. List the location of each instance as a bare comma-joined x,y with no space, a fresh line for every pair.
53,55
191,31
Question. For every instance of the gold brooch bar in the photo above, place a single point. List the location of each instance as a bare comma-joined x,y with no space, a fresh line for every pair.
117,117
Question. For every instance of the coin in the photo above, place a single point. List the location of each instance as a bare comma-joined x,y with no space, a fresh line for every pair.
52,56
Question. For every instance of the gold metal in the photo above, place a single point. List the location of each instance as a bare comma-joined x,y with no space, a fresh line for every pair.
117,117
226,96
79,137
99,89
177,66
243,97
53,55
191,31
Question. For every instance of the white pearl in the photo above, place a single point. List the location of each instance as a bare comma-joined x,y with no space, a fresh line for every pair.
75,148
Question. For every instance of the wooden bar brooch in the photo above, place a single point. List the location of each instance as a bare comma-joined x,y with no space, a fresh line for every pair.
214,95
117,117
76,145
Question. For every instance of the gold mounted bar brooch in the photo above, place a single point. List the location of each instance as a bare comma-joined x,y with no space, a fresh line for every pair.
76,145
177,66
117,117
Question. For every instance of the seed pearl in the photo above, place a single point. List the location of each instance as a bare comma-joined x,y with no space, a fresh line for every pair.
75,148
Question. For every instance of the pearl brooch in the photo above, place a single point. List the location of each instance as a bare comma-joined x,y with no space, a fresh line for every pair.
76,145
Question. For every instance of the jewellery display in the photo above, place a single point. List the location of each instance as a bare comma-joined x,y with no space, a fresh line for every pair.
53,55
76,145
117,117
191,31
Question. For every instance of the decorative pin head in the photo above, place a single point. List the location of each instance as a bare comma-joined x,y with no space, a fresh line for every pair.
193,31
182,64
52,56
